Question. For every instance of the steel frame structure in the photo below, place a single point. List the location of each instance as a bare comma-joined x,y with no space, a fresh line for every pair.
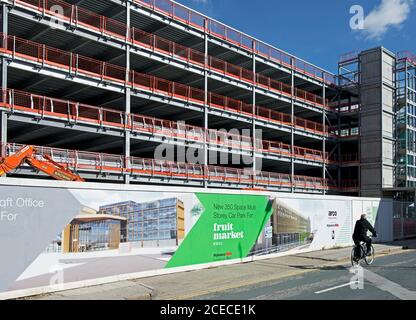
152,64
406,120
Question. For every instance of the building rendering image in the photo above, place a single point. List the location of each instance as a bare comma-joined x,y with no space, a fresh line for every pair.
97,86
159,223
289,226
93,232
156,223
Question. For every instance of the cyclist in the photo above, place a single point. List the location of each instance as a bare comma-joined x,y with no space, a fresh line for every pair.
361,229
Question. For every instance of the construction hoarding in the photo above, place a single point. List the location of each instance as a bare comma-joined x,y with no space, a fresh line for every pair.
60,233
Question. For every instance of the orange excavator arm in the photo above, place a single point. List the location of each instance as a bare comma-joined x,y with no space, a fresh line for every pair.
50,167
53,169
12,162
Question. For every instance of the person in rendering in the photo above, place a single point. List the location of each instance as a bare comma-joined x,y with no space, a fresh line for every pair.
361,229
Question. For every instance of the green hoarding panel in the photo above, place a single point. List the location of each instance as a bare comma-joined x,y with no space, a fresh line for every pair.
227,229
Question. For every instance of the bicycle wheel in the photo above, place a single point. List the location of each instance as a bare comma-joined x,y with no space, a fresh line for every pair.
370,259
354,261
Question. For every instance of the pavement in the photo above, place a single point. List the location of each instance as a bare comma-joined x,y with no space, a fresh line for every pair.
297,276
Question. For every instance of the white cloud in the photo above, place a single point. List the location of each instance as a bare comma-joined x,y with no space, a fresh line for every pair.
201,1
390,13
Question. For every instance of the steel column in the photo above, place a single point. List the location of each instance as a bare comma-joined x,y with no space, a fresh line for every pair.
3,74
206,123
127,137
324,137
339,153
254,135
292,130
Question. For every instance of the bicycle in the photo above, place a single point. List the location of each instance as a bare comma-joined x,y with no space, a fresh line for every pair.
360,253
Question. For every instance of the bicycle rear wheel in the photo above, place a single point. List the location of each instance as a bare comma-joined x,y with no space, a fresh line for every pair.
370,259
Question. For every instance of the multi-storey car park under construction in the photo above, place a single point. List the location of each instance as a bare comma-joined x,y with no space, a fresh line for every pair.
98,85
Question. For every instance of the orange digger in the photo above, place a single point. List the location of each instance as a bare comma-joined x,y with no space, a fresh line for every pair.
48,166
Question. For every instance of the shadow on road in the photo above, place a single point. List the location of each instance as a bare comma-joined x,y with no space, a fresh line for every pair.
312,267
346,267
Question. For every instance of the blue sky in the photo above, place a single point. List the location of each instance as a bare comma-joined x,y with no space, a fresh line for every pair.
319,30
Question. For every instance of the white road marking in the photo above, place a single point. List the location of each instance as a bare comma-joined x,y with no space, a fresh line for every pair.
389,286
381,283
337,287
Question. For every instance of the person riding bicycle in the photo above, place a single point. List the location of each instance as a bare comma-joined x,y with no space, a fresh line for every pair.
361,229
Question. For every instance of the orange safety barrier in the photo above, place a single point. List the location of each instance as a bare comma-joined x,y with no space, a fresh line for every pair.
348,57
194,19
77,64
80,16
88,161
77,112
407,55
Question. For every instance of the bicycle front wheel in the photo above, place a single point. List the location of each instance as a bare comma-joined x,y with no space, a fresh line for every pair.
370,258
354,261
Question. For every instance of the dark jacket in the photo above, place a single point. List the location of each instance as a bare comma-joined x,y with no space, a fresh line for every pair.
362,226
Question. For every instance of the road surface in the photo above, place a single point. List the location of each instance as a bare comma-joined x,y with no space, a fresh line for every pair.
391,277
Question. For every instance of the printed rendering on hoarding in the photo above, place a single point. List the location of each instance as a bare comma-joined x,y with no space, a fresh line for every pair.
55,236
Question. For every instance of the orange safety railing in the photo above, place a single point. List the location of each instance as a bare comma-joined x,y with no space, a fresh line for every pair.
81,16
88,161
217,29
72,111
77,64
78,112
349,56
407,55
298,152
